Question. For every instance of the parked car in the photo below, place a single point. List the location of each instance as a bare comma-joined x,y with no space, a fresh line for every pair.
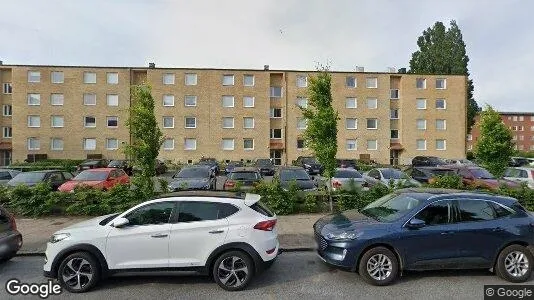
227,237
212,163
92,164
426,229
245,177
387,176
10,238
428,161
460,162
310,164
102,178
519,161
427,174
265,165
231,165
520,175
54,177
480,178
125,165
6,175
347,163
287,175
343,177
160,168
199,177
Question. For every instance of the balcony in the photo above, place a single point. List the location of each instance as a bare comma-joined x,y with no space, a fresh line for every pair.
276,92
276,144
394,94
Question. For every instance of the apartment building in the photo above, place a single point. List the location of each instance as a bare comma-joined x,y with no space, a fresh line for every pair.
229,114
521,124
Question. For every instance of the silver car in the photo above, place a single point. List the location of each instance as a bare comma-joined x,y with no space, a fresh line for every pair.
342,179
389,176
521,174
6,175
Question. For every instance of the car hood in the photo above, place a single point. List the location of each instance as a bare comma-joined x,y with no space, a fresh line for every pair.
347,220
301,184
69,185
87,223
189,182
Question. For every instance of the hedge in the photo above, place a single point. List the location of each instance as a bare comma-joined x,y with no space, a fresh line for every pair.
62,164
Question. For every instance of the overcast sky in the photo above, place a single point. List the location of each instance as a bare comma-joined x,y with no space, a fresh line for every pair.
292,34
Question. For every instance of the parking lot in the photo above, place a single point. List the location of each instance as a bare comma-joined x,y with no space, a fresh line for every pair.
221,178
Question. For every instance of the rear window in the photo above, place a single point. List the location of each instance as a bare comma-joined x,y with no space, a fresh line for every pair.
244,175
347,174
262,209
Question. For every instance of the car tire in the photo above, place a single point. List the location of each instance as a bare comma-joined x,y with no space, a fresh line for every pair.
514,264
79,272
233,270
379,266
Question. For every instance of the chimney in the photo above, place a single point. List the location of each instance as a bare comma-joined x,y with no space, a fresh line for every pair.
266,67
151,65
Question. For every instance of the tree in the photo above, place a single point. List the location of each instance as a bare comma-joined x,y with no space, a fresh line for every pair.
494,147
146,136
321,132
442,51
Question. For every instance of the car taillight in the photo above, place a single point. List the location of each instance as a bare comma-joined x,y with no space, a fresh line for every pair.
229,183
12,223
336,184
266,225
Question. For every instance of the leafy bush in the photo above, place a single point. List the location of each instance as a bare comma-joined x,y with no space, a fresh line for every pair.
63,164
448,181
524,195
354,197
276,197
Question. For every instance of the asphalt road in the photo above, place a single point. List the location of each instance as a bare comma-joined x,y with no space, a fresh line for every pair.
298,275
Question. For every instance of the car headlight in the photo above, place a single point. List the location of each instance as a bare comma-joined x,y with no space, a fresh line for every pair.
57,237
345,235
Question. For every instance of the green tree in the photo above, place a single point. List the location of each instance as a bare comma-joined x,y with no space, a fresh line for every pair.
146,136
494,147
321,133
442,51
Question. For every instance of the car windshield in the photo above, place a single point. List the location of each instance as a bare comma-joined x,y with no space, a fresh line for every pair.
235,164
28,177
295,174
91,176
116,163
263,162
90,162
193,173
347,174
390,207
481,174
244,176
512,172
309,160
393,174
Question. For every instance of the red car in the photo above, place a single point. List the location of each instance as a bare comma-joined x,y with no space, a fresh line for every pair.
101,178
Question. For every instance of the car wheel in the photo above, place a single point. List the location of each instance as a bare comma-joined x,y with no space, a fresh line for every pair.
514,264
233,270
78,272
379,266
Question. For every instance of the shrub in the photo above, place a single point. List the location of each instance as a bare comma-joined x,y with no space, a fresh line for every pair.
31,201
524,195
354,197
314,202
448,181
63,164
276,197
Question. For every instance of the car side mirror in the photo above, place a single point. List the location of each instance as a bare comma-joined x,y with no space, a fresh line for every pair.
415,223
120,222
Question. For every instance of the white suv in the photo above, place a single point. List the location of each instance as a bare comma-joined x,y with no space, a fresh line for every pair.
222,234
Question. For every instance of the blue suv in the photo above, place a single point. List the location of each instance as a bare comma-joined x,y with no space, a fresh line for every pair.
430,229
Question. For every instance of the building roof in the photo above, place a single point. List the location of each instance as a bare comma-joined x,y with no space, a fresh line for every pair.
507,113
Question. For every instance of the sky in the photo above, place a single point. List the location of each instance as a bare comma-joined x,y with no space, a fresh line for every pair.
285,34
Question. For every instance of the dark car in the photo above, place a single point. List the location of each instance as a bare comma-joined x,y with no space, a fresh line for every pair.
231,165
426,174
243,177
478,177
519,162
287,175
125,165
346,163
426,229
10,238
212,163
54,177
310,164
265,165
428,161
193,178
92,164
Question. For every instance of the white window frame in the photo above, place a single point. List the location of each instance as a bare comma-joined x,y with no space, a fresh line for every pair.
88,76
57,96
302,99
37,96
59,73
347,123
7,88
167,97
355,82
112,78
272,114
367,123
271,134
7,110
190,127
371,86
110,98
469,137
56,117
37,118
470,147
444,83
417,124
168,78
112,148
245,123
391,114
299,123
228,97
223,146
349,142
273,88
87,95
521,118
36,74
85,122
370,101
29,143
372,149
248,148
190,97
417,101
444,124
226,76
108,118
194,147
391,136
444,145
302,81
167,118
249,97
191,79
417,145
348,101
444,103
424,83
250,76
85,148
52,144
228,118
167,140
7,132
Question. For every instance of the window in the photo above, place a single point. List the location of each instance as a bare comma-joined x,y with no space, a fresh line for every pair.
441,124
372,103
436,213
372,145
7,88
89,121
112,121
469,137
189,100
515,118
248,122
521,128
228,144
151,214
470,147
7,132
168,122
190,79
228,101
112,144
420,83
58,121
350,81
7,110
248,101
228,122
394,134
34,76
421,124
532,128
56,144
441,83
57,77
34,143
351,102
420,103
371,82
34,121
89,77
521,137
300,144
89,99
521,118
168,78
532,119
394,94
372,123
276,113
276,133
441,145
248,144
190,122
228,80
302,102
89,144
420,144
168,144
248,80
394,114
112,100
351,123
34,99
204,211
190,144
276,92
302,81
56,99
475,210
168,100
441,104
351,145
112,78
302,123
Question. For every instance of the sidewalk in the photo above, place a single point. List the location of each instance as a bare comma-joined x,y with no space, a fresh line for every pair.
294,231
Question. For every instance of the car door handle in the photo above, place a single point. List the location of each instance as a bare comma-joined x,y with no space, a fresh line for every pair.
447,232
159,235
216,231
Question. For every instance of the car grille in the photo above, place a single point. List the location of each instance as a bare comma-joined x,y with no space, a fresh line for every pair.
321,242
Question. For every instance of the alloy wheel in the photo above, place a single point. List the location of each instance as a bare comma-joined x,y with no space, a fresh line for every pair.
232,271
516,264
379,267
77,273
